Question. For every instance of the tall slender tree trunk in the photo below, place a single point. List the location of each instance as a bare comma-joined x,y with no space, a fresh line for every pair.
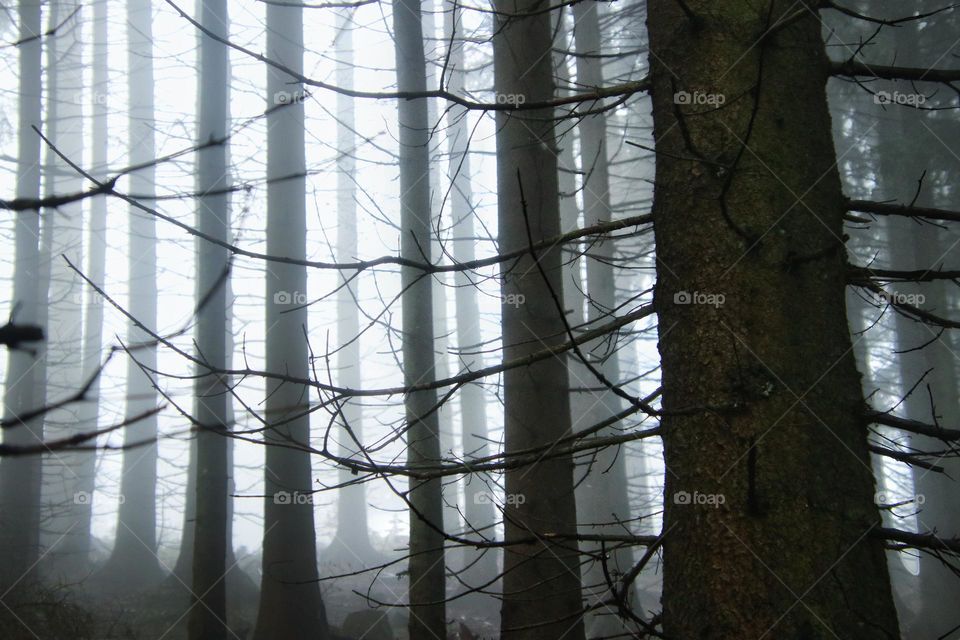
351,543
426,563
134,562
89,411
290,603
61,535
541,583
605,505
208,613
20,476
769,495
480,565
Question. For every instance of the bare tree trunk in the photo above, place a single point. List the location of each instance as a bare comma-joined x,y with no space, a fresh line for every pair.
62,537
208,612
605,503
134,562
481,565
761,393
290,603
426,563
351,543
20,476
541,583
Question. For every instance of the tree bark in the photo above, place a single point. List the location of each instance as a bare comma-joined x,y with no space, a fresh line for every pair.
541,582
769,493
290,602
480,565
427,591
208,612
133,563
20,475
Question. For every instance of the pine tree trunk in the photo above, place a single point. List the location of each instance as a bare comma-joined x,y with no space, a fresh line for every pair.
769,494
290,602
426,563
208,612
20,476
541,583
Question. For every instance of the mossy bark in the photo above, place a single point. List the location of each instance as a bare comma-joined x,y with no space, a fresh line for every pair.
769,489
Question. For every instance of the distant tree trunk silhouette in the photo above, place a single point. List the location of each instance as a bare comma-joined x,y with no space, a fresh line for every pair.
20,476
208,613
290,603
477,508
134,562
541,583
351,543
426,568
604,505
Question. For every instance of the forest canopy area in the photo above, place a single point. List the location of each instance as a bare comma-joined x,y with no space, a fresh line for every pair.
431,320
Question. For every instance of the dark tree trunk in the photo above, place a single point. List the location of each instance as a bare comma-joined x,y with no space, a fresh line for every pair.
769,492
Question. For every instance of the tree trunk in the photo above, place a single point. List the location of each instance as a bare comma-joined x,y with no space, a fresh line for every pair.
62,536
481,565
761,393
351,544
606,507
208,612
134,562
541,583
290,603
426,563
20,476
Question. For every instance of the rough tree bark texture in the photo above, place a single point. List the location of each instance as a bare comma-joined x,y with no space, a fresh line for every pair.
134,560
208,613
20,476
541,583
769,493
290,603
426,568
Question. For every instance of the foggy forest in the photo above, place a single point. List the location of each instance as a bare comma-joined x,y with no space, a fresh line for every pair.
479,319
